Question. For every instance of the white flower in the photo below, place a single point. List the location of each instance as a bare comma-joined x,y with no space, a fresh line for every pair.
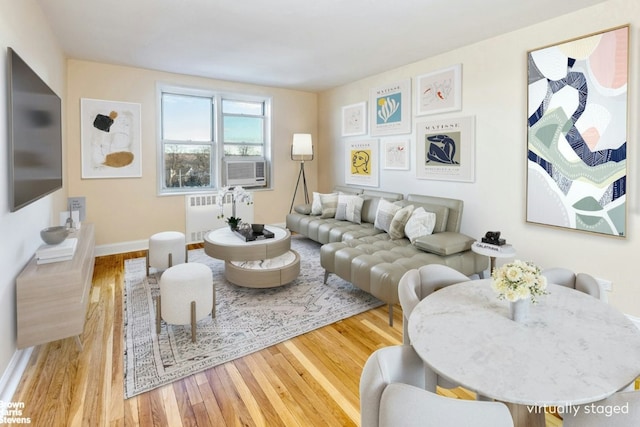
519,280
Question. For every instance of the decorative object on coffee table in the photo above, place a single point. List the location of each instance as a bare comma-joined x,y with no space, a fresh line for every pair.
235,194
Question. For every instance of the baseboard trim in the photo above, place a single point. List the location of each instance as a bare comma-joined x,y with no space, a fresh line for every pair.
121,248
135,245
13,374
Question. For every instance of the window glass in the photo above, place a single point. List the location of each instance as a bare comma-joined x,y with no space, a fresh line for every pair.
186,118
187,166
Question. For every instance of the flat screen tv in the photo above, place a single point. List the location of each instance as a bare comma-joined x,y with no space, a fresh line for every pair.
35,135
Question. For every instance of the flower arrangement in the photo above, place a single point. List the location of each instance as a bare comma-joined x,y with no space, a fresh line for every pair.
238,194
519,280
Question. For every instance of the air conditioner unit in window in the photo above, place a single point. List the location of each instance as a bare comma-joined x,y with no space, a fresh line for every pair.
245,171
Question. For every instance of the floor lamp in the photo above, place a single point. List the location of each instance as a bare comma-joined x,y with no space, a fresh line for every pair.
301,150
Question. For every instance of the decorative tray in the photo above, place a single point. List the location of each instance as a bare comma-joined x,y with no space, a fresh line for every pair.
249,235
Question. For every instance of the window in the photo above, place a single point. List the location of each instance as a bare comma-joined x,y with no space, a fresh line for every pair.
199,128
243,128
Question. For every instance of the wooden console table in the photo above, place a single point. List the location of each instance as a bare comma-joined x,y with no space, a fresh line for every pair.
52,298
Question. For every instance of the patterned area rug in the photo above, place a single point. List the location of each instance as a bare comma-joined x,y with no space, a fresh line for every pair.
247,320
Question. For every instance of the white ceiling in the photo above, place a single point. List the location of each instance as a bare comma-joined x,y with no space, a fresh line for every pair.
309,45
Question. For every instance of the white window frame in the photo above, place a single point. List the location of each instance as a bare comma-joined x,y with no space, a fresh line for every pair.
217,149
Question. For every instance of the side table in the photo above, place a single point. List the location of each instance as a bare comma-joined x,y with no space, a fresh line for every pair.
493,252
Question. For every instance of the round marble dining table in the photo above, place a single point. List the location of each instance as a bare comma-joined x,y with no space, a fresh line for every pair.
573,349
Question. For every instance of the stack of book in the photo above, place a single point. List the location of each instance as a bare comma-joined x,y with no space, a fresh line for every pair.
496,248
55,253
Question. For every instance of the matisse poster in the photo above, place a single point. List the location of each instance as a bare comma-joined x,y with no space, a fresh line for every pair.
390,109
577,133
362,162
446,149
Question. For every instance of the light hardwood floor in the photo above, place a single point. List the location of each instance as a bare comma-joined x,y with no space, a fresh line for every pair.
311,380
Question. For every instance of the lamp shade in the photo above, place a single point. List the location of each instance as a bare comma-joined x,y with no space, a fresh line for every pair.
302,147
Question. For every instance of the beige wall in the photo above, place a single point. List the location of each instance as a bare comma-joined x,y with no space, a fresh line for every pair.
129,209
494,91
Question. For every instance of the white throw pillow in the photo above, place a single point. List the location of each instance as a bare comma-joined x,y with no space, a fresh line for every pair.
349,208
421,223
384,214
396,229
316,204
329,205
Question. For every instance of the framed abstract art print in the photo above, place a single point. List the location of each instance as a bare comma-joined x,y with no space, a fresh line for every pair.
577,133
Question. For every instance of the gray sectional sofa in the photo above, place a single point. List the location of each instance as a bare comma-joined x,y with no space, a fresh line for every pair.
370,258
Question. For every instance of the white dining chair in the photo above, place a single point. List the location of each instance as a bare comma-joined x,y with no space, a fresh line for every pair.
620,410
582,282
392,394
417,284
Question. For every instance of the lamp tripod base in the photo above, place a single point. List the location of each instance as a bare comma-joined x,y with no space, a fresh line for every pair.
304,185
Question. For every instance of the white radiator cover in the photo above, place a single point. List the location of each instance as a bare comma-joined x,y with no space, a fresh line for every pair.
202,213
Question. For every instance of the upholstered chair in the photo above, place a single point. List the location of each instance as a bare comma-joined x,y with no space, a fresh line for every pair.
565,277
392,394
417,284
620,410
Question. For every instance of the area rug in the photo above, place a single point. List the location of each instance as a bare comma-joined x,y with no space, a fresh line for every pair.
247,320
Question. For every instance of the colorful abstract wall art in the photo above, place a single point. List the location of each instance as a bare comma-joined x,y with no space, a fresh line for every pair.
577,133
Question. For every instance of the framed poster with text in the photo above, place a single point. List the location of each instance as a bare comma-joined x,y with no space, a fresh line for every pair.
362,162
445,149
390,109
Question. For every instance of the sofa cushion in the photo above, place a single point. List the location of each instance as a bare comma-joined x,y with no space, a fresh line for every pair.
329,203
421,223
384,214
316,203
442,216
349,208
396,229
445,243
303,209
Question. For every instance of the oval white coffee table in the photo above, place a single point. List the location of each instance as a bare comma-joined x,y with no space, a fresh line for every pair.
262,263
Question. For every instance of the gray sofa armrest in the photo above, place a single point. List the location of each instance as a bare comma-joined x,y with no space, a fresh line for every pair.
445,243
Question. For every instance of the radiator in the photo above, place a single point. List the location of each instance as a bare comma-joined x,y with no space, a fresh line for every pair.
202,213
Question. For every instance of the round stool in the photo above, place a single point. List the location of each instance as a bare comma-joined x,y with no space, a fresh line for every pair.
187,295
166,249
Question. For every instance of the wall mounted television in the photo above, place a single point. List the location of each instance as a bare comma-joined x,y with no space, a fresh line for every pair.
35,135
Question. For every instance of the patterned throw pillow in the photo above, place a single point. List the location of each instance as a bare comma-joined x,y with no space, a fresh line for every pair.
349,208
316,204
396,229
329,204
384,214
421,223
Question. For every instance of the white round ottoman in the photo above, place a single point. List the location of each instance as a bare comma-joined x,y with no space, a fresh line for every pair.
187,295
166,249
